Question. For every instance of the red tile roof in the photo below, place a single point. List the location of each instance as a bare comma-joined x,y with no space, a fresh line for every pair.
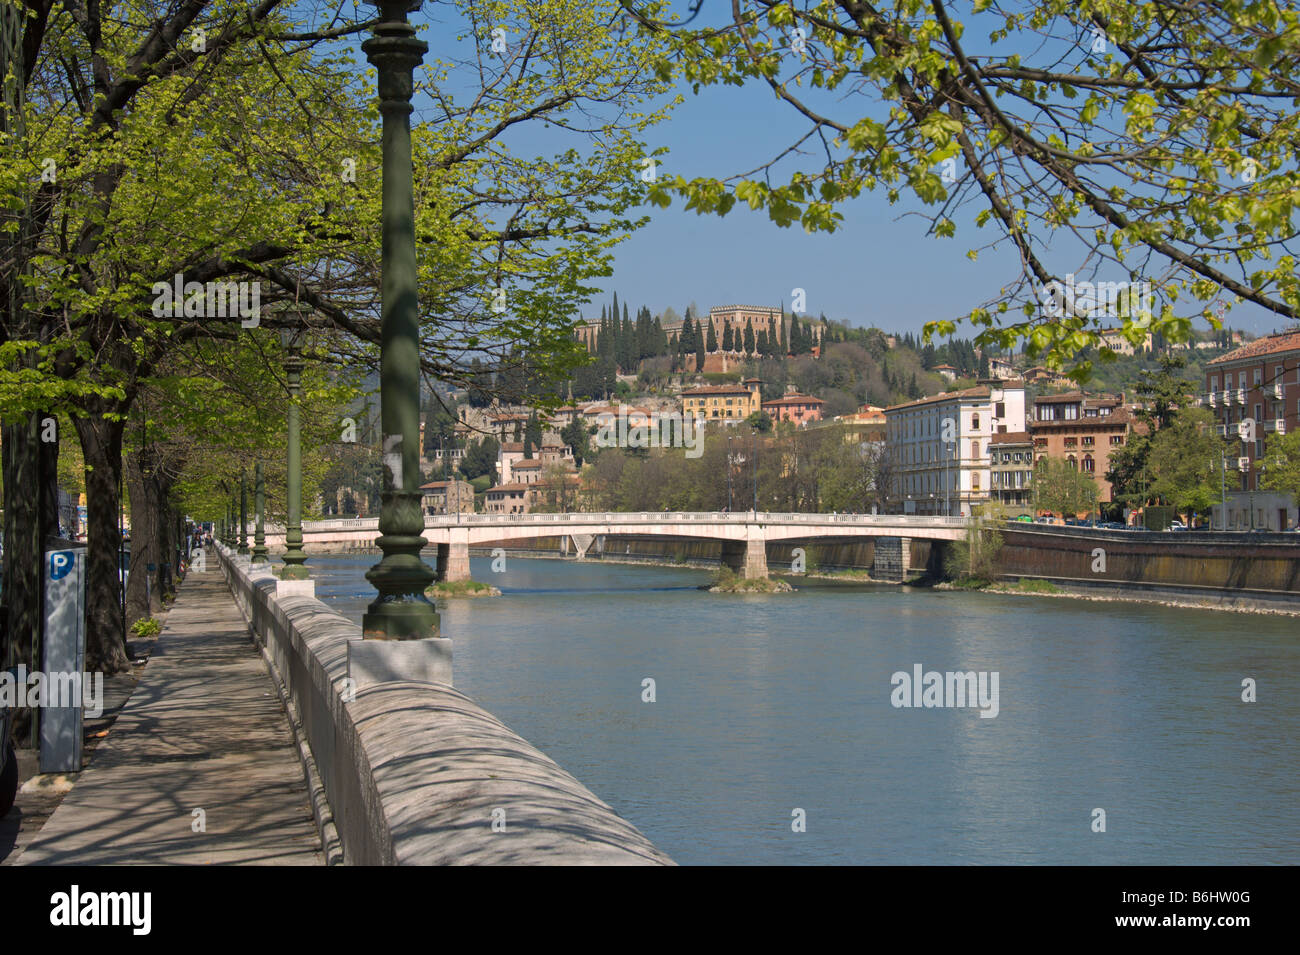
720,390
1268,345
979,391
793,400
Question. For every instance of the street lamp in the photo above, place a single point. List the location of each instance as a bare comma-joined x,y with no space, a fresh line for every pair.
243,511
259,502
292,336
401,611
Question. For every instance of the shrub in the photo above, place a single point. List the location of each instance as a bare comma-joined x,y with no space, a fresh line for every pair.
146,627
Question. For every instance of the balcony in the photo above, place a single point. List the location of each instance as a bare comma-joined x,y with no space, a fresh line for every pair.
1277,425
1240,396
1277,390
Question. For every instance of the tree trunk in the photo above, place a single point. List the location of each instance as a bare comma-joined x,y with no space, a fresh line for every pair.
167,544
142,598
26,510
101,445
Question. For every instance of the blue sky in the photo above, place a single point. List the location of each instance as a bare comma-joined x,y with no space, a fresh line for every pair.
878,269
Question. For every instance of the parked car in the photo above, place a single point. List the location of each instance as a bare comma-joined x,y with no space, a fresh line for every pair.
1176,526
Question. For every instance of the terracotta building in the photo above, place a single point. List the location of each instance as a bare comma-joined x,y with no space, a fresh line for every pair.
1083,430
1254,392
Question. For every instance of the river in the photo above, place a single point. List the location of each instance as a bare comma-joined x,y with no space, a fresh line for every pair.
765,705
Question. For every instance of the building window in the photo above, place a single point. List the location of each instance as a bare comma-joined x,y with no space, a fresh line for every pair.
975,422
974,449
1116,439
1088,465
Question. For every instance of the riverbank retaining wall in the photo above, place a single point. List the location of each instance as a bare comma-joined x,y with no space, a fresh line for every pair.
1226,569
417,773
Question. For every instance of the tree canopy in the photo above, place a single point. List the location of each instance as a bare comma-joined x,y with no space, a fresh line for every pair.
1153,141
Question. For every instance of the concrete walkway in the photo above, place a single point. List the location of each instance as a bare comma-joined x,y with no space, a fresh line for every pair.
201,765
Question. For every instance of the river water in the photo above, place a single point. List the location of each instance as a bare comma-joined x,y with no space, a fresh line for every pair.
765,705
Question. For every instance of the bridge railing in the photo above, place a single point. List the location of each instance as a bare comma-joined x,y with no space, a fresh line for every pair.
644,517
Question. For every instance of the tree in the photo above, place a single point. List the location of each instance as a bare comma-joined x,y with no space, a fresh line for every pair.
711,343
1280,466
141,195
1185,463
728,341
576,437
480,458
1158,134
750,342
974,556
1162,394
1060,488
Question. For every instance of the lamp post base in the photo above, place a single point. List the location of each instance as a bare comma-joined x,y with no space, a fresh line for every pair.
403,617
294,572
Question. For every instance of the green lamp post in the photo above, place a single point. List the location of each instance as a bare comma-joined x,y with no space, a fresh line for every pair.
401,611
259,503
294,558
243,511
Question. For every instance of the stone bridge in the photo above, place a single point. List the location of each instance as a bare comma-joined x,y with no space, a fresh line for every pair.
744,535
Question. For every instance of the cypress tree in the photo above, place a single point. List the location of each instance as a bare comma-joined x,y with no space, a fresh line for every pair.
760,343
728,340
699,353
749,336
711,344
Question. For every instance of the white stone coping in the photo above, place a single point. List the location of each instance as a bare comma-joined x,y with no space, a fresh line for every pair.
418,773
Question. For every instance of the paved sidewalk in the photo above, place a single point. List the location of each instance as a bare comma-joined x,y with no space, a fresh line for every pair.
203,730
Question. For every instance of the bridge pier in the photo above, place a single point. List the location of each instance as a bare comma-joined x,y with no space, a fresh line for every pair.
747,558
893,558
453,558
581,544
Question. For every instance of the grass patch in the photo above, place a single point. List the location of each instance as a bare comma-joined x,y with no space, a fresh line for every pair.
970,583
728,582
462,588
1027,586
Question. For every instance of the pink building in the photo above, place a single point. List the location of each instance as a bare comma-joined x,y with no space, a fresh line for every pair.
795,407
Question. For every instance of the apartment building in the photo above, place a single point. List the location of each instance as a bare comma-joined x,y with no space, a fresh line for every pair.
1254,392
1011,467
1083,430
723,402
447,497
940,455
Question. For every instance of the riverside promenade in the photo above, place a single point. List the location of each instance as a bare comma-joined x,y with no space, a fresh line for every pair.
201,766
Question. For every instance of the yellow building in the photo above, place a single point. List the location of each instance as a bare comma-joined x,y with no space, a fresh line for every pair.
723,402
